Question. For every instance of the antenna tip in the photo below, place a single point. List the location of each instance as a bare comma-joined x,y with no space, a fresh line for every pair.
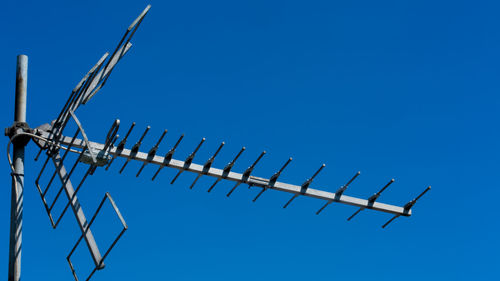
358,173
165,130
323,165
223,143
392,180
133,123
429,187
243,148
290,158
203,139
264,152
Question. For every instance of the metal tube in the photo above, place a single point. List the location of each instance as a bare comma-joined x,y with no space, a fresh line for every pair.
16,207
21,87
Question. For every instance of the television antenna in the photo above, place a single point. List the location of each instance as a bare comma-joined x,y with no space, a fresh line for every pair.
53,142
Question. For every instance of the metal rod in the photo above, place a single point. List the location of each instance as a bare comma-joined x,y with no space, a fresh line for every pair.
188,161
260,193
355,213
112,133
195,180
410,204
322,208
168,156
388,222
339,192
290,201
250,169
207,165
152,152
74,194
227,169
16,202
71,99
213,185
273,179
247,173
77,210
62,161
234,187
372,199
304,186
121,144
135,148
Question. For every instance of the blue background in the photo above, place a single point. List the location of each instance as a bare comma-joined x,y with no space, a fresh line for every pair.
403,89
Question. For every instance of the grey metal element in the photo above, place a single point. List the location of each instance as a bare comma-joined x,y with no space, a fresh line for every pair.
101,264
304,186
42,193
122,48
207,165
121,145
168,156
72,103
188,161
94,80
77,210
16,199
246,174
227,169
135,148
101,159
89,149
251,180
407,207
372,199
339,192
113,132
152,152
273,179
103,75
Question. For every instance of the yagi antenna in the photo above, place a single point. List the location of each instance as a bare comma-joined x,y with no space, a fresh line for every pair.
57,146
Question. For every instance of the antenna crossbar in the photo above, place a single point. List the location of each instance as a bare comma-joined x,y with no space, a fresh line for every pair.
237,177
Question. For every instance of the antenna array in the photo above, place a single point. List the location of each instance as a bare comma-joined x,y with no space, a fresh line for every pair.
52,140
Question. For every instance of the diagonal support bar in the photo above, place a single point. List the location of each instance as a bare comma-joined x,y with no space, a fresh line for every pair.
77,210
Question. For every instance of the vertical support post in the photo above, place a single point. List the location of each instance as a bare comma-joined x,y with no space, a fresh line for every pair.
16,204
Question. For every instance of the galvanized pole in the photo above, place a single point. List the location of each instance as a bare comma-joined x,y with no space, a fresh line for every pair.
16,211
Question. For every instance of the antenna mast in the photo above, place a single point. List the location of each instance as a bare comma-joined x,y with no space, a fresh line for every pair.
17,173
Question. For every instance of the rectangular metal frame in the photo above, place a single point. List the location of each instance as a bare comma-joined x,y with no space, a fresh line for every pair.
101,263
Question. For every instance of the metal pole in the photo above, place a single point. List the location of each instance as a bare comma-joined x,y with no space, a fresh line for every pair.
16,211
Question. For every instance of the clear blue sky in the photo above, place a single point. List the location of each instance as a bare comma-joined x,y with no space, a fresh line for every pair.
395,89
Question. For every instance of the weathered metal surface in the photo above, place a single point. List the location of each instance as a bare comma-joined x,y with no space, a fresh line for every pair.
16,202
